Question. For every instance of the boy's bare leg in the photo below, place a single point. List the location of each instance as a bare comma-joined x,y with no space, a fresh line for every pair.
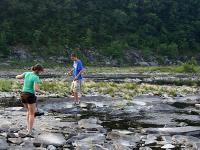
76,97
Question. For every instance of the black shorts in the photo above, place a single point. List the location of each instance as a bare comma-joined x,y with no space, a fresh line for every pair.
28,98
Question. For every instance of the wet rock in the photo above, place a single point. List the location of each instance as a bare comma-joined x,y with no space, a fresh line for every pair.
115,135
150,142
196,146
148,99
55,139
138,103
186,140
188,100
197,106
40,148
89,140
22,133
16,148
99,147
189,130
3,144
132,109
14,109
118,146
125,132
17,141
51,147
28,143
182,124
123,140
152,136
189,119
167,139
14,129
90,124
5,126
145,148
4,134
158,119
163,108
126,143
168,146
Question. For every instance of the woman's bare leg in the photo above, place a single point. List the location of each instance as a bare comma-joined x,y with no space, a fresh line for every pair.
27,115
31,109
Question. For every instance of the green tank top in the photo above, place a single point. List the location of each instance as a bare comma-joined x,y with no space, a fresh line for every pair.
29,79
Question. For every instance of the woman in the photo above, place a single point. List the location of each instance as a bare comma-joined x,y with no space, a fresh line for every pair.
28,98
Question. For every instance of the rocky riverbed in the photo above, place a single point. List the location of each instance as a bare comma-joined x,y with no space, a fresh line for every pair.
129,111
103,123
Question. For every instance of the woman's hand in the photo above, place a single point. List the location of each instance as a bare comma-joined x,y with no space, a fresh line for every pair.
19,76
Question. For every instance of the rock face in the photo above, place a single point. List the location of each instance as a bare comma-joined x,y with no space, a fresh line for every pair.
19,52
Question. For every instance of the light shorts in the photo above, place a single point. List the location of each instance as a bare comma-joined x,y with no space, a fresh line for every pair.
76,86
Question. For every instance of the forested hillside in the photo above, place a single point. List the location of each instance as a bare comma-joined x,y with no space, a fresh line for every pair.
110,27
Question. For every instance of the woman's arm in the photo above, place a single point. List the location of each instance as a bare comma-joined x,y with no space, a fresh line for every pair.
20,76
37,88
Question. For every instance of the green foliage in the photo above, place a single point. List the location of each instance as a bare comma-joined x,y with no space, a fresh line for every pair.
55,87
189,66
3,44
169,49
159,26
5,85
115,49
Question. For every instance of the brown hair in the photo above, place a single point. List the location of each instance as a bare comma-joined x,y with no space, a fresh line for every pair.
73,55
37,68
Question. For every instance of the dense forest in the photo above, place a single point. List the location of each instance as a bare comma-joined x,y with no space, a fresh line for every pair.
110,27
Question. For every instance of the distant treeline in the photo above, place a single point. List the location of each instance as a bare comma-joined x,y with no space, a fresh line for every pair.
161,27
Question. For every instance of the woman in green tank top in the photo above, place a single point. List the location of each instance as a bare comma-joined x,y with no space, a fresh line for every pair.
28,98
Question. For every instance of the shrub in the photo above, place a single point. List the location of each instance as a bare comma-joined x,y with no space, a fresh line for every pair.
189,66
5,85
115,49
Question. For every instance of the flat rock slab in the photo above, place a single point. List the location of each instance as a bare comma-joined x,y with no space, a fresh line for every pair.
17,141
55,139
148,99
189,130
90,123
3,144
145,148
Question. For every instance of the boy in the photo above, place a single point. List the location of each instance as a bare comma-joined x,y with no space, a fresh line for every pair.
76,72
